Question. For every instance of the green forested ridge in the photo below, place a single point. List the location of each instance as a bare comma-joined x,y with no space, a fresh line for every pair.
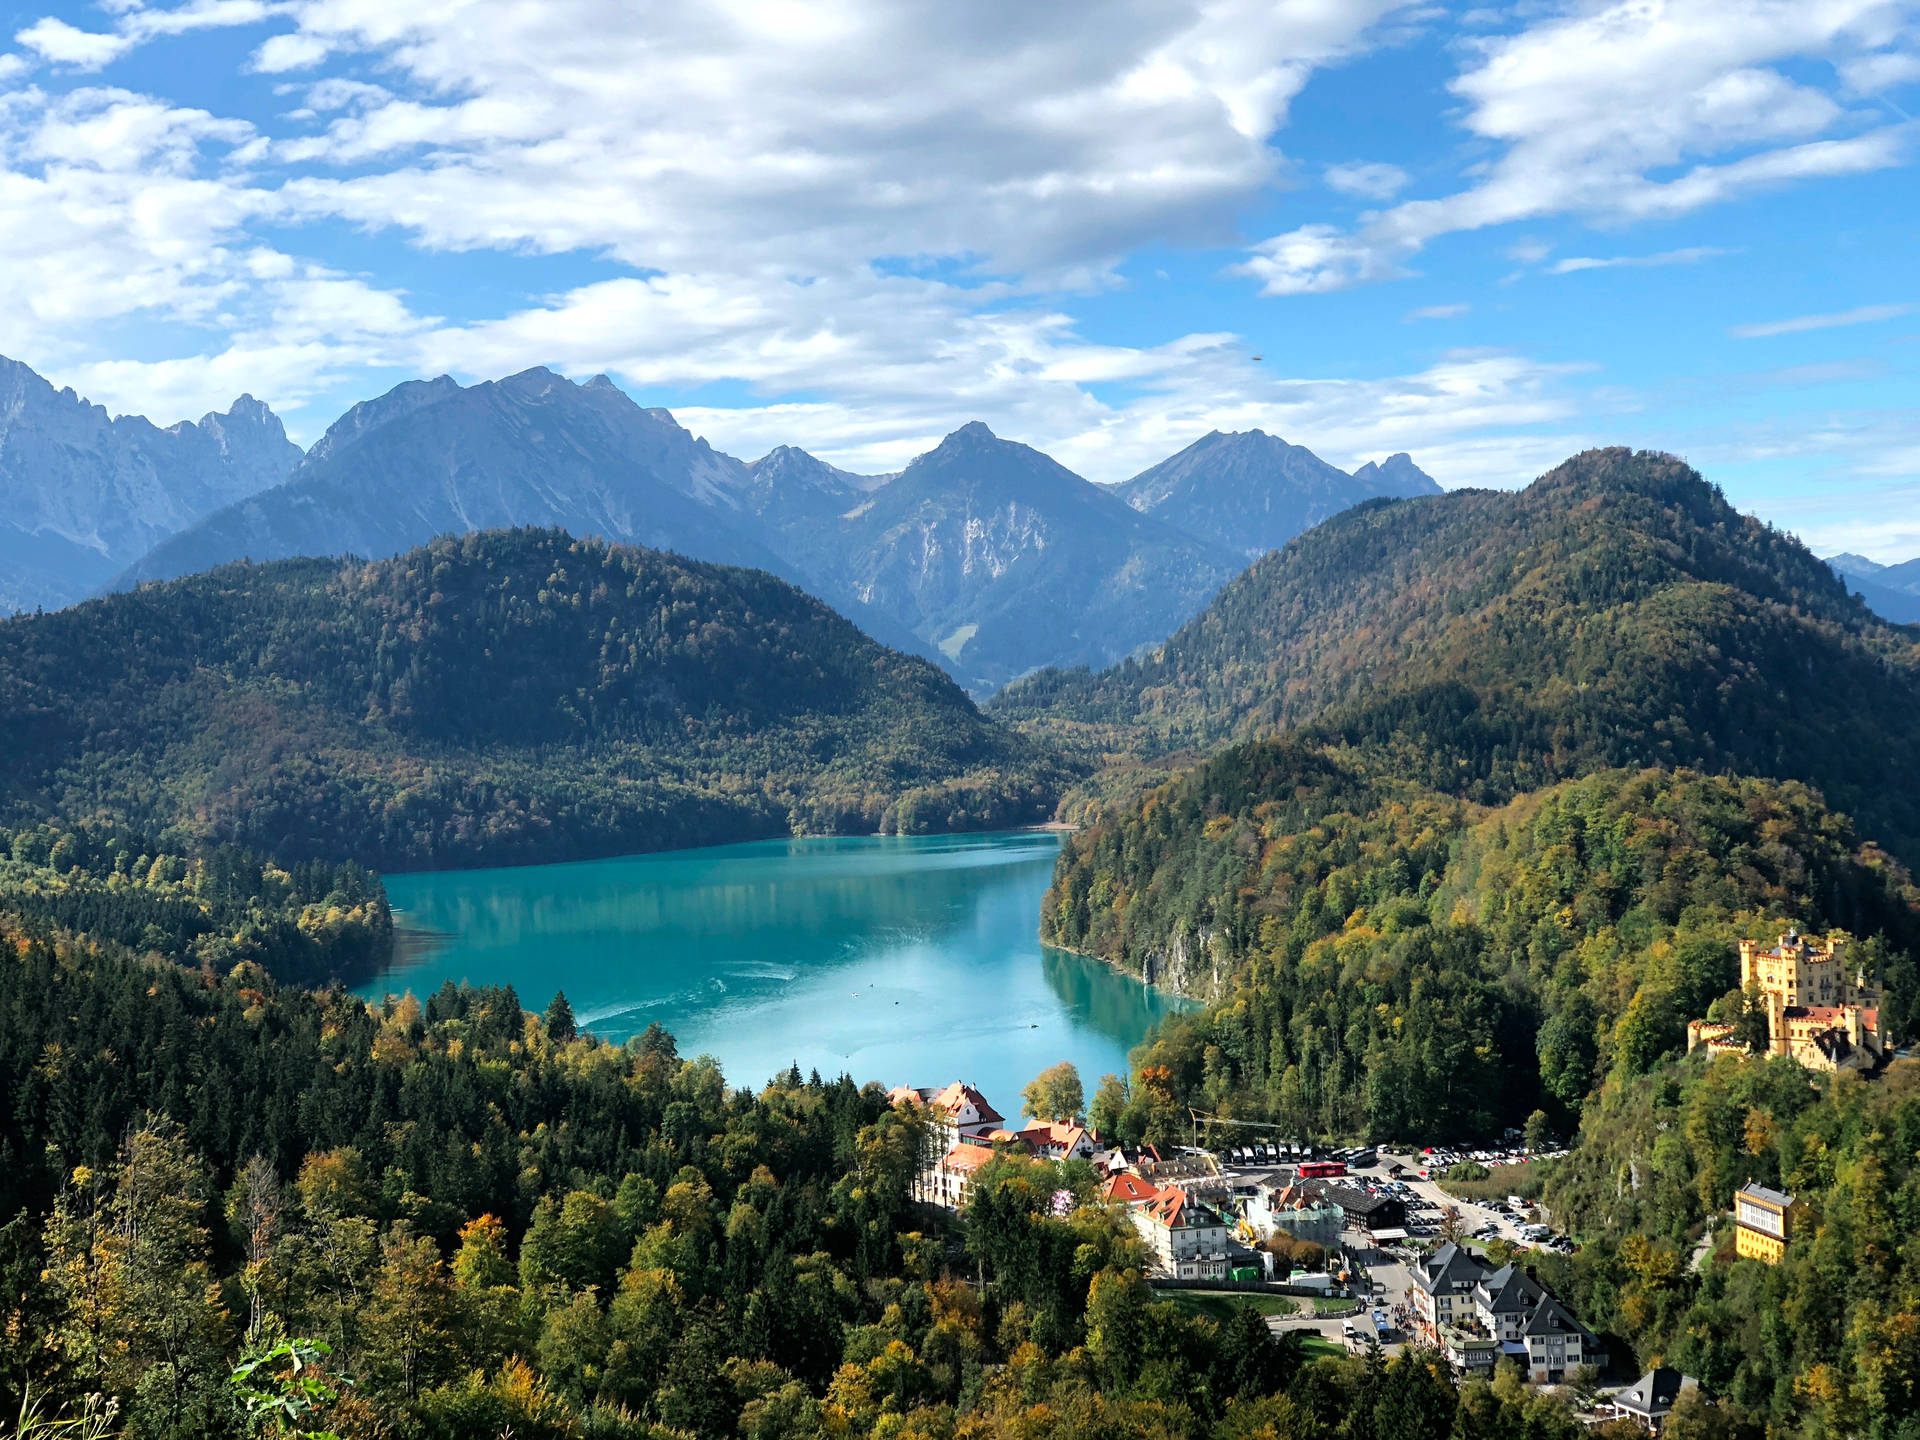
1403,964
492,1231
308,922
1616,612
507,696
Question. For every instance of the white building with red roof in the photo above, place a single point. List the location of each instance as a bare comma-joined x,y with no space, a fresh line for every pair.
958,1110
950,1181
1051,1141
1188,1237
961,1134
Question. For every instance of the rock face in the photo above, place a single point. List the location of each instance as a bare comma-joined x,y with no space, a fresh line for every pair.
432,458
1001,558
1252,492
82,494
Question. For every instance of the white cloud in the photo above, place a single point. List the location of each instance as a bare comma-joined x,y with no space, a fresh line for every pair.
1436,312
1018,137
1863,315
1369,181
903,360
1638,109
1870,74
282,53
1693,255
54,39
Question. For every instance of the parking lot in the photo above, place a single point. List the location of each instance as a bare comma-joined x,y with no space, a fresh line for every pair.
1397,1172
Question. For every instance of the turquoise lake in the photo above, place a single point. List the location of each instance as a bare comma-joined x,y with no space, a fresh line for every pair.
907,960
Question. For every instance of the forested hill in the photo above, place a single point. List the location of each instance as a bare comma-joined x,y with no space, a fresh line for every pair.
1615,612
501,697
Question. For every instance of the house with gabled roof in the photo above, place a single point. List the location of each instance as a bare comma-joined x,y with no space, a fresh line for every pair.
1187,1237
1129,1189
1557,1344
1053,1141
1443,1289
1504,1300
1650,1399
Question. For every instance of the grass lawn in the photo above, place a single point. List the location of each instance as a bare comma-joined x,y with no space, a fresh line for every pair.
1328,1305
1525,1180
1316,1345
1220,1304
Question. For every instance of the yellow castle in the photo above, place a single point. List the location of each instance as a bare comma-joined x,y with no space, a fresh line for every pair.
1814,1012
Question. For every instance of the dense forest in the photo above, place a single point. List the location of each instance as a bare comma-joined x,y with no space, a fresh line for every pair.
1394,962
229,1208
1616,612
501,697
1389,961
307,923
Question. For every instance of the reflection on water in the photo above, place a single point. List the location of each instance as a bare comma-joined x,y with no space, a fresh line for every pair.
897,959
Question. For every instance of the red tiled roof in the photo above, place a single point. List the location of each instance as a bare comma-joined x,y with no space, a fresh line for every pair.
967,1157
1045,1132
1130,1188
1172,1208
957,1096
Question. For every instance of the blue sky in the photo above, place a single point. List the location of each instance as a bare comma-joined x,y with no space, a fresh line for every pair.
1488,235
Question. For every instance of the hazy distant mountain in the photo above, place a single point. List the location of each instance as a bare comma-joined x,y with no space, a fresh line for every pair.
1890,591
1252,492
82,495
1848,563
1001,557
432,458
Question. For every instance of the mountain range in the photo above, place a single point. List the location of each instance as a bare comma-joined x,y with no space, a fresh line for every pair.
86,494
983,554
1891,591
1250,493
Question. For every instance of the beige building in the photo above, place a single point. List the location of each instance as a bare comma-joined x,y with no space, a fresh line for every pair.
1764,1222
1815,1013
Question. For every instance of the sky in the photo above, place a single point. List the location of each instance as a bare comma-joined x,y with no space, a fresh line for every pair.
1489,235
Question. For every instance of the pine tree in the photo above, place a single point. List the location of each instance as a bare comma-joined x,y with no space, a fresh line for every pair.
560,1026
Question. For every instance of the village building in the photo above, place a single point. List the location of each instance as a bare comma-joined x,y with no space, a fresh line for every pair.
1557,1344
957,1111
1129,1189
1443,1290
957,1142
1479,1316
1764,1222
1295,1211
1650,1399
1384,1217
950,1181
1188,1237
1051,1141
1815,1013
